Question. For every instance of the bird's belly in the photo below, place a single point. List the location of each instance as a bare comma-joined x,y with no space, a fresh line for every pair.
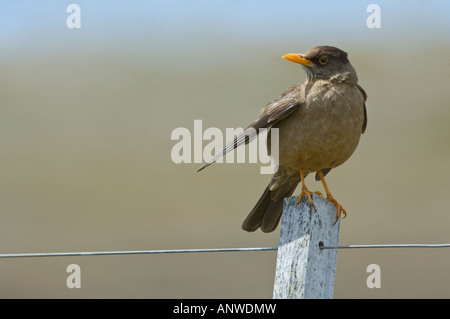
326,149
320,136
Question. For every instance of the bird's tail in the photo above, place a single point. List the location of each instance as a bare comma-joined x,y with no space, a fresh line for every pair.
267,212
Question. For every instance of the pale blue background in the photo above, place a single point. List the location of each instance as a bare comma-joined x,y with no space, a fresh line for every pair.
180,25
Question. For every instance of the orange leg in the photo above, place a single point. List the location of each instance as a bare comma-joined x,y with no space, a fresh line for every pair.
306,192
330,198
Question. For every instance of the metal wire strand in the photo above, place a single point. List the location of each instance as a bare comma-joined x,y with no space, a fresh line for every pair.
136,252
210,250
387,246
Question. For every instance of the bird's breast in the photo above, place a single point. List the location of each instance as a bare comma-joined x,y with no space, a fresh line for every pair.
325,130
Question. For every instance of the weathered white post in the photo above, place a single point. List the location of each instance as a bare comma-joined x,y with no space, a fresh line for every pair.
304,270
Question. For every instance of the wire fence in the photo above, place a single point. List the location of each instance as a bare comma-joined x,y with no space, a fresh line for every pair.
210,250
137,252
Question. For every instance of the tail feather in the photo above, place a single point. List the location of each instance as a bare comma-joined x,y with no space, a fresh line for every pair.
267,212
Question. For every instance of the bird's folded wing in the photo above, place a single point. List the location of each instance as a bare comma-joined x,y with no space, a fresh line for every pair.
364,126
271,114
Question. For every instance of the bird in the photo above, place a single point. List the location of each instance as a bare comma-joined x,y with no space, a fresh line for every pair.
320,122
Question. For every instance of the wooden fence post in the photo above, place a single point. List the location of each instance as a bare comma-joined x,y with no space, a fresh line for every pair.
304,270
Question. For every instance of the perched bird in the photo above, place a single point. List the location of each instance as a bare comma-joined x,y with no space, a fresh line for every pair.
320,122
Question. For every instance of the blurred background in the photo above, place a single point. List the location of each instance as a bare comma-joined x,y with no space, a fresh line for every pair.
86,117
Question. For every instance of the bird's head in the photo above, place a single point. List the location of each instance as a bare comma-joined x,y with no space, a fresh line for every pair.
325,62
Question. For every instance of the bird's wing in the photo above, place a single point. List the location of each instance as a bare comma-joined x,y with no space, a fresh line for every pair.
364,126
273,112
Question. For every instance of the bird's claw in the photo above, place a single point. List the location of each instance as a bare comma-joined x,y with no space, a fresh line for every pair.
308,194
339,208
318,193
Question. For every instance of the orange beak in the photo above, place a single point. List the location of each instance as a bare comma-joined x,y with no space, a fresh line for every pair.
298,58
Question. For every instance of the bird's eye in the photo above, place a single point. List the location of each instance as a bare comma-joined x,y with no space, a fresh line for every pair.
323,60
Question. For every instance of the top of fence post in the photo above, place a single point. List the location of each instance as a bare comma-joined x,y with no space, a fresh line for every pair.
303,269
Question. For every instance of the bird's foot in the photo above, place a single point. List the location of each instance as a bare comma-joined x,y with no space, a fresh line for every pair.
306,192
339,208
318,193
